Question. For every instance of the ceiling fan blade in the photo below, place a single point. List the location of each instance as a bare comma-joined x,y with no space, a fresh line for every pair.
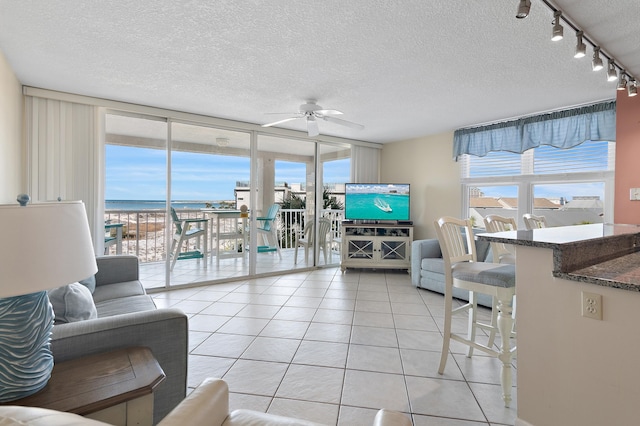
280,122
343,122
312,127
329,112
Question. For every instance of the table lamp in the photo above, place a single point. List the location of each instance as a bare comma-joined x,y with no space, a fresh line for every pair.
42,246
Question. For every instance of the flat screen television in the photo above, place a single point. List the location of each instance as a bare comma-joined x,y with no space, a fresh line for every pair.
377,201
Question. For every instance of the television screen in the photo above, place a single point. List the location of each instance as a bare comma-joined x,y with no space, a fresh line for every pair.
376,201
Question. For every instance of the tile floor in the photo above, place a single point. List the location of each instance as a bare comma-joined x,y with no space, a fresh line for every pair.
333,348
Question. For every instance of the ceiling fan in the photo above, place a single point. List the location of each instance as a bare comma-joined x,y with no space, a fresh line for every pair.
313,112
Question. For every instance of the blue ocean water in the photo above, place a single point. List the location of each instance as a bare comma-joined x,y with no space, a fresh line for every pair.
363,207
155,204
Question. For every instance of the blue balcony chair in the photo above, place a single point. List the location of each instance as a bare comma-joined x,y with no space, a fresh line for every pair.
188,229
113,236
268,228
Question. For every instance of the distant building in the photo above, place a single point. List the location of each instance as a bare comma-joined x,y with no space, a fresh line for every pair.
283,190
558,212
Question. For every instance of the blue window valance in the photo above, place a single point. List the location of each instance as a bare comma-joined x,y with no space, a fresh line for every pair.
561,129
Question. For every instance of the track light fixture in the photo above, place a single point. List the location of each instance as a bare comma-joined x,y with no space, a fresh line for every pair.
615,70
632,89
581,48
612,74
622,84
557,28
596,63
523,9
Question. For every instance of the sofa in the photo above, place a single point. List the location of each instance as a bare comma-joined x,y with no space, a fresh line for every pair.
427,268
207,405
126,316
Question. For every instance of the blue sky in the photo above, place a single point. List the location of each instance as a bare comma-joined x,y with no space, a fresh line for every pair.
553,191
139,174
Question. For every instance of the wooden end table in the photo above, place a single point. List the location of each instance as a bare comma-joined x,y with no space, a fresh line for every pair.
113,387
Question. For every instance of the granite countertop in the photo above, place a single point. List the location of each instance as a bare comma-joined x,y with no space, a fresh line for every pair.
601,254
622,272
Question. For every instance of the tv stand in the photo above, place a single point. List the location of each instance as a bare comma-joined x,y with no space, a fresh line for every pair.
377,246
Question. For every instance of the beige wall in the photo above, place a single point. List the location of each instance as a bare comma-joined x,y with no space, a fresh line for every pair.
10,134
426,163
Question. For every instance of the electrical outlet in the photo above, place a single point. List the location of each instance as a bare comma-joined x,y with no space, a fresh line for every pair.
592,305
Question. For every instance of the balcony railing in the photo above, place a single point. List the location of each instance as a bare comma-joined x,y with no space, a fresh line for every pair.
143,231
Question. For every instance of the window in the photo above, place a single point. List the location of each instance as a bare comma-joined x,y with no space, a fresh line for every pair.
567,186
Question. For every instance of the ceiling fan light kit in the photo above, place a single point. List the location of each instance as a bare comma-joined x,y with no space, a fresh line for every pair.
311,112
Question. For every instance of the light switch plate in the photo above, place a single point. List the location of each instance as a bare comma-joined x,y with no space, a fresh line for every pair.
634,194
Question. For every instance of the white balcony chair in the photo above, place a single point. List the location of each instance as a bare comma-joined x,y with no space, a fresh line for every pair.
462,270
307,237
534,222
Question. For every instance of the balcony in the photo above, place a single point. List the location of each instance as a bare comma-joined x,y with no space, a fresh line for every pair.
144,235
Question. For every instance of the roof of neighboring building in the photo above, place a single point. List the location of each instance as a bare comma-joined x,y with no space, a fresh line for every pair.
484,202
510,203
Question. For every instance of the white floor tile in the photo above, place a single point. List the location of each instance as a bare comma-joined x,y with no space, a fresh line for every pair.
317,412
335,347
311,383
445,398
340,333
374,358
255,377
271,349
327,354
375,390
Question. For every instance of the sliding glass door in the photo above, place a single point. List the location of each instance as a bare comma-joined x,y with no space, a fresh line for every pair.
200,203
209,167
136,192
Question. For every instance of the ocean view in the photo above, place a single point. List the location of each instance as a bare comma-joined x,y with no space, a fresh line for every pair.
157,204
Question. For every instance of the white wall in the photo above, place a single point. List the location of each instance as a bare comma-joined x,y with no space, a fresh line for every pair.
427,164
574,370
11,107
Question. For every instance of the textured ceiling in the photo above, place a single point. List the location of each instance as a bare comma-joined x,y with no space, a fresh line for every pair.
403,69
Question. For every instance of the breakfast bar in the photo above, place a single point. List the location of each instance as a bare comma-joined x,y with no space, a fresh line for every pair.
573,368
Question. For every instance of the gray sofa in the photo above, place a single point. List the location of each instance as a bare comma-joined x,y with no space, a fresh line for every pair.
427,268
127,316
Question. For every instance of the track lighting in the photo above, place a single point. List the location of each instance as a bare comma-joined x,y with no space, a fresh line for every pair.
557,28
632,89
523,9
596,63
581,48
625,80
622,84
612,74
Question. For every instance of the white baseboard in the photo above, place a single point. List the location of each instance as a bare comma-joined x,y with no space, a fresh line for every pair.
520,422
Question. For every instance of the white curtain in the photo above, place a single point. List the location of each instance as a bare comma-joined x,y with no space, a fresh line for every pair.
365,164
64,156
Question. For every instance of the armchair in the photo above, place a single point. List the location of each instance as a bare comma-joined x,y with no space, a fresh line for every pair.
207,405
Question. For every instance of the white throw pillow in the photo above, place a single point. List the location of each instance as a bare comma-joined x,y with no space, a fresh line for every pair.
72,303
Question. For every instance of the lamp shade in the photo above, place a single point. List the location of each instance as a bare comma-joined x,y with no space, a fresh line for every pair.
44,246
